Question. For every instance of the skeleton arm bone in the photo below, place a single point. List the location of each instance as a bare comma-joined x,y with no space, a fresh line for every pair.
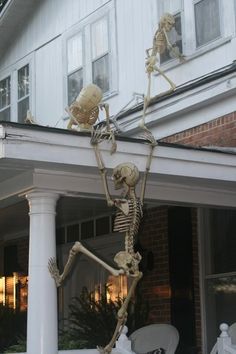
171,48
103,173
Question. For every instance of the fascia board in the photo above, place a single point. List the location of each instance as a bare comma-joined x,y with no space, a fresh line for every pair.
183,111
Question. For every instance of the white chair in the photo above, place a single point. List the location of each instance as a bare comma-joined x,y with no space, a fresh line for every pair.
153,337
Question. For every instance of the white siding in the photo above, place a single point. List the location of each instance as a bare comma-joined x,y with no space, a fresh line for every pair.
136,22
48,90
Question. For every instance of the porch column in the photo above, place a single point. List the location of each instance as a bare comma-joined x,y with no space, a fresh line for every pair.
42,293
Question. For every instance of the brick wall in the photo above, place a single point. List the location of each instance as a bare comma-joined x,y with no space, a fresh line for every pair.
219,132
155,285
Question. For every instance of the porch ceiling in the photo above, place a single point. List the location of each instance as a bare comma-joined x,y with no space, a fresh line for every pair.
33,157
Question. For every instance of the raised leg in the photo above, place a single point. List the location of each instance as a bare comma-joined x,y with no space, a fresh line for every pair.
77,248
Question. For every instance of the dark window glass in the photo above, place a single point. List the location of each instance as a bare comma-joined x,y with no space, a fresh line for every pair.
87,229
23,107
5,114
60,236
75,84
23,82
5,92
73,233
103,226
101,73
207,21
175,38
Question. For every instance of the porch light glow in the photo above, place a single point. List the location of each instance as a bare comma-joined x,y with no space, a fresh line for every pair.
14,291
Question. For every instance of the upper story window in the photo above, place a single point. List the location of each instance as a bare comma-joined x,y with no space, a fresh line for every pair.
207,21
15,93
197,24
90,53
23,93
5,98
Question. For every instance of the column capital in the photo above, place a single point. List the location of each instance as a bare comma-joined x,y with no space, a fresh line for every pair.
42,201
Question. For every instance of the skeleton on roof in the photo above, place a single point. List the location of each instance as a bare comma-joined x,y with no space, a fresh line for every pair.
127,220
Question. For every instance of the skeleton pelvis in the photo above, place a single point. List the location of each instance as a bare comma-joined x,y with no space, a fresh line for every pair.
126,261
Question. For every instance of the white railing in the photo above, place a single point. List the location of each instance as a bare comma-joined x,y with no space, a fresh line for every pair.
123,346
224,344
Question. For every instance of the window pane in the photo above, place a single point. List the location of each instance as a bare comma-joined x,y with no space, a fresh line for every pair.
207,21
220,278
103,226
73,233
23,107
5,93
99,38
101,73
75,84
74,53
87,230
222,240
60,236
5,115
23,82
175,38
220,305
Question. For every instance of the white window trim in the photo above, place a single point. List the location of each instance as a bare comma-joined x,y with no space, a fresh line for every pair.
12,72
108,10
190,50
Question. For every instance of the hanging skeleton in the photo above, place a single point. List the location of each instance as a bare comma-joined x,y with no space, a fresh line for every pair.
161,43
127,220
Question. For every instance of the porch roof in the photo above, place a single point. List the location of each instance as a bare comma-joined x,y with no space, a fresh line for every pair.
36,157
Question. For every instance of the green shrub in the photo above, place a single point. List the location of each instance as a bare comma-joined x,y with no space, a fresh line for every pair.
12,326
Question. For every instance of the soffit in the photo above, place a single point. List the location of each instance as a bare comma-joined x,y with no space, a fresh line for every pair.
13,18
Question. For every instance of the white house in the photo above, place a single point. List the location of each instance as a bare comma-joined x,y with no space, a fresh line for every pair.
49,50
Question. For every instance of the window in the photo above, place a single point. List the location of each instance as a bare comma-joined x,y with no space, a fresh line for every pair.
175,38
197,24
5,98
175,34
23,93
90,53
100,54
207,21
219,275
75,66
15,93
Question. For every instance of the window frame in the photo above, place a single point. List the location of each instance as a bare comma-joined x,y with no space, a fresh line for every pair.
190,49
7,106
195,27
12,72
85,27
205,274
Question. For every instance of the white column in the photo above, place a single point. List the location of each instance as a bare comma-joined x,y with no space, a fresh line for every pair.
42,293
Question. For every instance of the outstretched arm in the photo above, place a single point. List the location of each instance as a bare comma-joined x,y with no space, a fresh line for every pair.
152,141
96,137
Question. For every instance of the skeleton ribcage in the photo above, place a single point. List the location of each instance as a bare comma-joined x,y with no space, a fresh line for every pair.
129,224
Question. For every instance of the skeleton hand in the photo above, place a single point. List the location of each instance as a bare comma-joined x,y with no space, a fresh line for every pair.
52,267
96,136
147,135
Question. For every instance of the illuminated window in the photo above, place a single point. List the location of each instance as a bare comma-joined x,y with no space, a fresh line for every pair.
14,291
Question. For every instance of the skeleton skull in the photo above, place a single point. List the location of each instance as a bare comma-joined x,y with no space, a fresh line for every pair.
167,21
126,173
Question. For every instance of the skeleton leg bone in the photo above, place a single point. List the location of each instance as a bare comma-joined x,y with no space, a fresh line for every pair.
122,315
77,248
